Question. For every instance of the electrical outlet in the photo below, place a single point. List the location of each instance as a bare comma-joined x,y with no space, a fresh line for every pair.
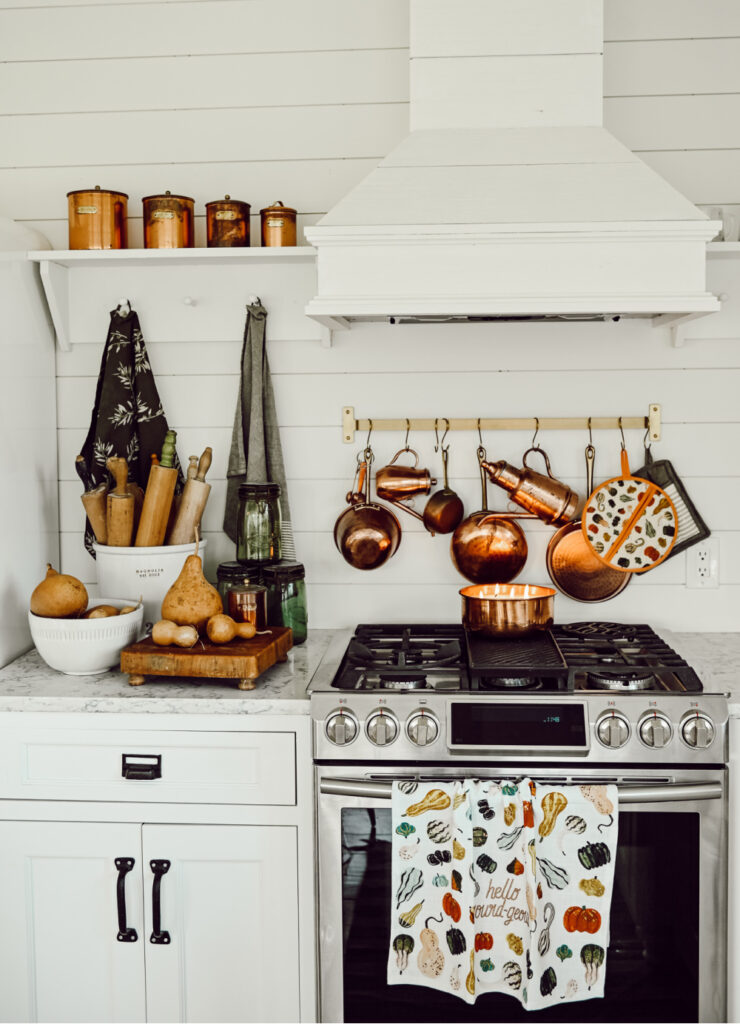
702,565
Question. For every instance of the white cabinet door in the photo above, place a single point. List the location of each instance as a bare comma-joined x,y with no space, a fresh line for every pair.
60,957
229,903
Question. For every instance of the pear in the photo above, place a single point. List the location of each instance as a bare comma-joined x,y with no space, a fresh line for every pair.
59,596
191,600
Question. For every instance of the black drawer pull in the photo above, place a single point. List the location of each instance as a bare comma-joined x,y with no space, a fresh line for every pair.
141,766
158,937
124,865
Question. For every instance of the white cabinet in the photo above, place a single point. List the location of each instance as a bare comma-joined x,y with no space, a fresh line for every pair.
217,896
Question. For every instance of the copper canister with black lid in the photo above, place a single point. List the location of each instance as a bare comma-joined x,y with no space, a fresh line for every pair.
97,218
227,223
278,225
168,222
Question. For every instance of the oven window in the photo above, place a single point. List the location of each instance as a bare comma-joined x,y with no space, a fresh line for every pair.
653,964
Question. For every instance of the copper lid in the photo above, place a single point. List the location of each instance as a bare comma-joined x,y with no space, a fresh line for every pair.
228,201
103,191
277,208
168,195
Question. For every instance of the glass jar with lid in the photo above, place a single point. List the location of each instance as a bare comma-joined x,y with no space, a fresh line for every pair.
258,539
234,574
286,597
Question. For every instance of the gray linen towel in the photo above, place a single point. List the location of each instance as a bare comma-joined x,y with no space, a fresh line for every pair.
256,455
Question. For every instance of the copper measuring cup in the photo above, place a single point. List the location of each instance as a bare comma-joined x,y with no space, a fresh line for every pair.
366,534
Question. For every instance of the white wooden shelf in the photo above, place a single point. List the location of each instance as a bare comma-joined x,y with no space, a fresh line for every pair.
177,289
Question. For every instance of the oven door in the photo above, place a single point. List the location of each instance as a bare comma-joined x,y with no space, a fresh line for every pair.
667,949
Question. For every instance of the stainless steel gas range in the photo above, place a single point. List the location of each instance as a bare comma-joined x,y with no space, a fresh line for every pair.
589,702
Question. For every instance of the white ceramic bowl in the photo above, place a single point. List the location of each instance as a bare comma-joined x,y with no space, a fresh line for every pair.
86,647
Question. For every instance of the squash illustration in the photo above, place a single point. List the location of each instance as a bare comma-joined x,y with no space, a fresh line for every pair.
410,851
455,982
532,855
594,855
516,945
451,907
592,886
582,919
487,964
556,877
530,973
438,831
456,941
441,880
528,814
475,882
458,850
592,957
431,959
548,916
563,953
408,917
486,863
552,804
515,867
403,945
508,789
509,814
599,798
460,799
439,857
470,979
483,940
574,823
435,800
411,880
408,787
457,881
479,836
513,974
548,981
485,810
508,839
405,829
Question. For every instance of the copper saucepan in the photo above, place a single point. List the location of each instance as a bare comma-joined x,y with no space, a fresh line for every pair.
489,547
366,534
573,566
442,512
503,610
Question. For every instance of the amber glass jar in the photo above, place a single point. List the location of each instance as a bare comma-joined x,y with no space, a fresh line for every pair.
227,223
97,219
278,225
168,222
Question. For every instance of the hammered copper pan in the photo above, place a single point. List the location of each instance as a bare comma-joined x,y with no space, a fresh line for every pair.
571,563
366,534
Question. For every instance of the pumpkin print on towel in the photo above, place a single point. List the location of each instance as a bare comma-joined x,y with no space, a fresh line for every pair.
630,523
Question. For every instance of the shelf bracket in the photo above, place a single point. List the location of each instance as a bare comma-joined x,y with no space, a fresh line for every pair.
56,288
652,423
677,323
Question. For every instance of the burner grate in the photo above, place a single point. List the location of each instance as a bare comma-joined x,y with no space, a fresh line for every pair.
535,652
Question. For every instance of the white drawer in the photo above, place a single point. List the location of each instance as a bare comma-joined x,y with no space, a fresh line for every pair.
150,766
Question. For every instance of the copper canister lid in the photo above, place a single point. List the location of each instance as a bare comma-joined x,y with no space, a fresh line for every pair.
278,208
102,191
169,195
228,201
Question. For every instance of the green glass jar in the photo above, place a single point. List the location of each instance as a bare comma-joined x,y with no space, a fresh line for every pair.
234,574
258,524
286,597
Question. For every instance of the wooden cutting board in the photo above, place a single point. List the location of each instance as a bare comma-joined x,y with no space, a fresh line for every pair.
243,660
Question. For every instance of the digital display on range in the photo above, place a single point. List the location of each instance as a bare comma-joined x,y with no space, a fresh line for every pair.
517,725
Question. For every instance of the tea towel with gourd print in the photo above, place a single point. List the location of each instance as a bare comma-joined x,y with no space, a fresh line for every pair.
502,887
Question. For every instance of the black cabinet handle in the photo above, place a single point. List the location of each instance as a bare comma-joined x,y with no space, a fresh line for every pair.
124,865
158,937
141,766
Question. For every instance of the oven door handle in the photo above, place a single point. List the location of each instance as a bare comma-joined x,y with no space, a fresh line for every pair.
662,793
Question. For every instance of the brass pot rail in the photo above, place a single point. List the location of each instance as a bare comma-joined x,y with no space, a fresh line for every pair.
651,423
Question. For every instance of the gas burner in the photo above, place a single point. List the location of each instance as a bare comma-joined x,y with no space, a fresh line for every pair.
629,681
401,680
604,630
510,683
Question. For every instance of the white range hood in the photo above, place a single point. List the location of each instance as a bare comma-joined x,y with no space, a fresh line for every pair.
508,199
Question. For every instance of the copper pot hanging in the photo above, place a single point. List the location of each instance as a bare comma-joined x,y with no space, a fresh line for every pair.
366,534
545,497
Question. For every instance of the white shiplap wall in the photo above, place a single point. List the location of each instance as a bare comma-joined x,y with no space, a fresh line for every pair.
297,99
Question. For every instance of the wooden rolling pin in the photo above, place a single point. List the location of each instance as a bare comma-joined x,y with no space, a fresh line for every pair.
194,498
93,501
120,505
160,490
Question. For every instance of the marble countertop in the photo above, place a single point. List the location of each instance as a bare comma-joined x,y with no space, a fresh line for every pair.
28,684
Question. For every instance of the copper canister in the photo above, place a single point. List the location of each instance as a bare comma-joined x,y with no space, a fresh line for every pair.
227,223
278,225
168,222
97,219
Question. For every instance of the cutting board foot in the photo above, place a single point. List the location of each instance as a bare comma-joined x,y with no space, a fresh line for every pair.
136,680
246,684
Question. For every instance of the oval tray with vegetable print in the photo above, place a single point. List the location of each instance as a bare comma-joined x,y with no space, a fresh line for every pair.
629,522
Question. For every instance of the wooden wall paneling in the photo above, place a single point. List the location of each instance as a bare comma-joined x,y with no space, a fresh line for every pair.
673,19
706,177
673,122
665,67
209,26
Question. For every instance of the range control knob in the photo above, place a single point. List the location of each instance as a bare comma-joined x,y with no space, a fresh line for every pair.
422,728
341,727
381,728
654,729
612,729
697,730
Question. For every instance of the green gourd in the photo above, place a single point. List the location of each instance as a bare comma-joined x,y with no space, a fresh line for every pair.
594,855
456,941
548,981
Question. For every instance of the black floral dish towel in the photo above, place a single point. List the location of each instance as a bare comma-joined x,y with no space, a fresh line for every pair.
127,418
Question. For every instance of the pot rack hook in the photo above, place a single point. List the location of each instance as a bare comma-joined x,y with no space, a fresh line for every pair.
590,435
447,430
480,436
624,446
408,429
436,435
369,432
481,453
124,307
536,432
